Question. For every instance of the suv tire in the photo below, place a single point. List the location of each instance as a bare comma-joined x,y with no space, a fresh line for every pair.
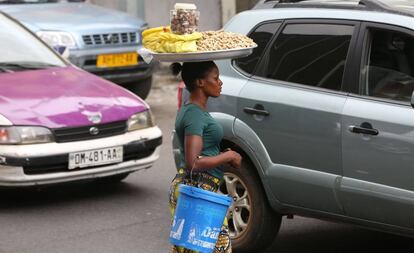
141,88
250,209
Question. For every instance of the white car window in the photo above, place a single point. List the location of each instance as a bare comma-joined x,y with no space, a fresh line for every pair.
36,1
17,45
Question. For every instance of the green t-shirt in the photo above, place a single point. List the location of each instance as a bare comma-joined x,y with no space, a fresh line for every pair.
192,120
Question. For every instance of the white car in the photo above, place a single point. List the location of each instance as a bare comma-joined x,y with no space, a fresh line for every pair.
59,123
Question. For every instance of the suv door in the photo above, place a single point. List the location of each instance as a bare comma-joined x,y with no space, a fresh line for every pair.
294,105
378,136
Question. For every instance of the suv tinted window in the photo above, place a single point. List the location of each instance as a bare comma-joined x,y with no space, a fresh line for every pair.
261,35
389,66
310,54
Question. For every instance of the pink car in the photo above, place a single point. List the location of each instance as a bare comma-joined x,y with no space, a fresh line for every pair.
59,123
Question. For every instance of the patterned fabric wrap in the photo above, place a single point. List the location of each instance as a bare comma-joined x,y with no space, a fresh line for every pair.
205,182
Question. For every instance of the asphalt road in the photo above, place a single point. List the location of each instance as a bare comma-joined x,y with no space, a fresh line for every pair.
132,216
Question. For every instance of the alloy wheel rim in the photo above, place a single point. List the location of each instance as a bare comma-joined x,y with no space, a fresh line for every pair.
239,213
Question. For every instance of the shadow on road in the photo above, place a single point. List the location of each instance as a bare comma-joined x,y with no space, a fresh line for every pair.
20,198
336,238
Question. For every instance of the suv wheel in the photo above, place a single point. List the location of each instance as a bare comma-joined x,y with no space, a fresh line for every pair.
252,223
141,88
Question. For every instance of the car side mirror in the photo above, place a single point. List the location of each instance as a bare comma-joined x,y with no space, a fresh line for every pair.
412,100
62,50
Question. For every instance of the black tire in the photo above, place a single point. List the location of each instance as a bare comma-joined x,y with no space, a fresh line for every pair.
141,88
261,223
113,179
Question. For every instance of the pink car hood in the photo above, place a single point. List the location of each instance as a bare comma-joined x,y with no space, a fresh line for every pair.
64,97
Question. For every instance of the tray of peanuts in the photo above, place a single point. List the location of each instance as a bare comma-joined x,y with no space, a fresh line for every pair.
205,46
181,41
214,45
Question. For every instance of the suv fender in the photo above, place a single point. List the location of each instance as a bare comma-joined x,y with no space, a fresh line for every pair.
253,223
239,133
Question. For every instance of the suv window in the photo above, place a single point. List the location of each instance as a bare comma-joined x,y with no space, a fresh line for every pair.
310,54
261,35
387,71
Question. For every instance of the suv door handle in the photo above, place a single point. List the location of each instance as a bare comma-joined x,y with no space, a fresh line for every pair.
364,128
257,110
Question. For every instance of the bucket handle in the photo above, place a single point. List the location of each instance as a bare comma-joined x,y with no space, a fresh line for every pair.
192,168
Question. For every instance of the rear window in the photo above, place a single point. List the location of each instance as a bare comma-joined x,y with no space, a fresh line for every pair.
388,70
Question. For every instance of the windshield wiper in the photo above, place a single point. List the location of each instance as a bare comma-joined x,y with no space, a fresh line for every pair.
12,66
5,70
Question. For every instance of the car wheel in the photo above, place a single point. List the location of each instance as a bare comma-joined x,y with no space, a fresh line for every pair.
141,88
252,224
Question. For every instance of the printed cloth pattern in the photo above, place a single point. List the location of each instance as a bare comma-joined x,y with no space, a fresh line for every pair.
206,182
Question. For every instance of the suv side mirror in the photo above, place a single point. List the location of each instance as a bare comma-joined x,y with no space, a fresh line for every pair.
62,50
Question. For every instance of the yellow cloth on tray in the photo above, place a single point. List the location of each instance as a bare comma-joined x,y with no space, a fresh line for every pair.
161,40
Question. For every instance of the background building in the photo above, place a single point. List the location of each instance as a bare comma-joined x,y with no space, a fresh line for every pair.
214,13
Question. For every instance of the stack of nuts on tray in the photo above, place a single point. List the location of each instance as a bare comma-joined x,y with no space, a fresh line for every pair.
182,35
162,40
220,40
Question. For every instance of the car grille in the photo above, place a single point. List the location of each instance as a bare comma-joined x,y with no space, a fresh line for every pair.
84,132
59,163
63,166
111,38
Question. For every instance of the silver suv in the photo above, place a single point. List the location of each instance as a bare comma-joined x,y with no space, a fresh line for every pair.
101,41
322,113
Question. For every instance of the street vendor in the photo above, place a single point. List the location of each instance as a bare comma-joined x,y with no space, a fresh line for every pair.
199,137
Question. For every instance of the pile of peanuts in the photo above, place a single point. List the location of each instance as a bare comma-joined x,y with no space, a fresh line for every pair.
220,40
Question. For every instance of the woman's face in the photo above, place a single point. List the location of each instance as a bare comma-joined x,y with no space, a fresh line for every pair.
211,84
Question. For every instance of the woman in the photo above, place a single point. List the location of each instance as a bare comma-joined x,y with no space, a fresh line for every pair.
199,136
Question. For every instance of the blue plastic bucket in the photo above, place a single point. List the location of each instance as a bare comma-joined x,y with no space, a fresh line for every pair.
198,218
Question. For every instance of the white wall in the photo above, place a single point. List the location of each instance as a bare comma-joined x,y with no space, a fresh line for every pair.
228,10
117,5
214,13
157,12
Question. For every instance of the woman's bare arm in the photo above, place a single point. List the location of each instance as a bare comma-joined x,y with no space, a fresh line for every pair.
193,146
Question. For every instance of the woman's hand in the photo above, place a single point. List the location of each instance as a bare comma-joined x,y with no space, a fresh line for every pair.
193,146
235,158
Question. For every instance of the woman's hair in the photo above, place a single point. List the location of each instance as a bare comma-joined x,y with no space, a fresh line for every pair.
192,71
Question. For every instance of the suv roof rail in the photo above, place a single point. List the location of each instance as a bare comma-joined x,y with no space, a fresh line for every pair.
290,1
371,5
375,5
284,1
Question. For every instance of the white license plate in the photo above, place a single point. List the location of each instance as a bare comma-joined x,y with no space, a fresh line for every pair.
95,157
